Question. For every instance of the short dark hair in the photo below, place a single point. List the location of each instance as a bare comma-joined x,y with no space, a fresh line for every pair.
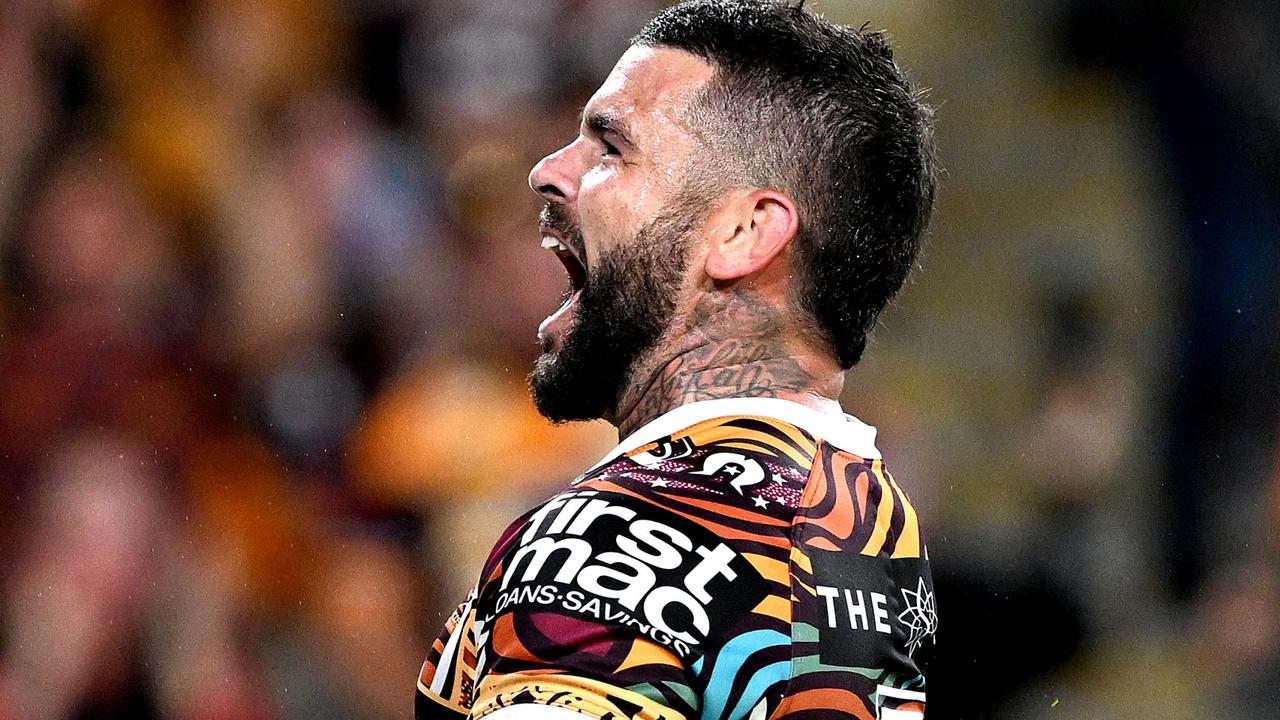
821,112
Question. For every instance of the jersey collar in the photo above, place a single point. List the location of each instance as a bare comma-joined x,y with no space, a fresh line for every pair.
847,433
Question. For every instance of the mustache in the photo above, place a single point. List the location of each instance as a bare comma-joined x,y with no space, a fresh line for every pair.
555,217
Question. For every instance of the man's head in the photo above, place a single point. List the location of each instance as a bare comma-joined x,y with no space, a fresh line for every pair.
735,143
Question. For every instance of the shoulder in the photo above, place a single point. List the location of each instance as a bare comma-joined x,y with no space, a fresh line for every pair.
680,539
855,504
863,591
719,466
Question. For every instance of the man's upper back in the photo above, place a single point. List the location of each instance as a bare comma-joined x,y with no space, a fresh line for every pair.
741,558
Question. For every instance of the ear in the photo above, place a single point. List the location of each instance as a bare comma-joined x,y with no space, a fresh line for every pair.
752,229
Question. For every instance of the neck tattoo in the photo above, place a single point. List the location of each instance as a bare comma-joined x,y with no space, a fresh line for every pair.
731,345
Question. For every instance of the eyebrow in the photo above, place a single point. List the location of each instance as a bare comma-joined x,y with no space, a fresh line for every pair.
607,123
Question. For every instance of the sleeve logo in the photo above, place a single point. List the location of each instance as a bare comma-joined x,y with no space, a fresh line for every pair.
869,611
918,615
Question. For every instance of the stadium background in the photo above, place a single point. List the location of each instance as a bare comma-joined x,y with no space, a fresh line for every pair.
269,279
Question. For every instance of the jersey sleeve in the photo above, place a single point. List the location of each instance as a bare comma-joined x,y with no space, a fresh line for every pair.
864,609
447,679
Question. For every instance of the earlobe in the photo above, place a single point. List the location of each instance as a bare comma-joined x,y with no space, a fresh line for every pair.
758,227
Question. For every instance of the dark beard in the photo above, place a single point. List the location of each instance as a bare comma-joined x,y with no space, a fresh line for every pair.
626,304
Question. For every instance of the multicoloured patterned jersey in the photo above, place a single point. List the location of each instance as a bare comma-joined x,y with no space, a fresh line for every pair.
734,559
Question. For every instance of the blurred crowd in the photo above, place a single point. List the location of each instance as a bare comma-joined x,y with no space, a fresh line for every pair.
269,280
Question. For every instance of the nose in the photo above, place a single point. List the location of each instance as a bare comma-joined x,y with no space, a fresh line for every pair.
553,177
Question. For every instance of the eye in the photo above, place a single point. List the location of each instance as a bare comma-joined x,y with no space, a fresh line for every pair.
609,148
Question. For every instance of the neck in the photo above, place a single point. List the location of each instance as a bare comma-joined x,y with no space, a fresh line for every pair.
733,344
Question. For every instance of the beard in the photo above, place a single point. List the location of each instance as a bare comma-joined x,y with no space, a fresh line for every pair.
626,304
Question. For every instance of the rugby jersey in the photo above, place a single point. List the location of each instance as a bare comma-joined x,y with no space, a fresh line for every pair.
733,559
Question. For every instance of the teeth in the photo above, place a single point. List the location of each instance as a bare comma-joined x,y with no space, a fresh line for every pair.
552,243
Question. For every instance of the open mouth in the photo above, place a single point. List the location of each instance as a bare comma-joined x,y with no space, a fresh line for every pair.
572,265
555,326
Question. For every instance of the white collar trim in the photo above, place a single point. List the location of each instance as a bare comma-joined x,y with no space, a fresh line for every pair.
847,433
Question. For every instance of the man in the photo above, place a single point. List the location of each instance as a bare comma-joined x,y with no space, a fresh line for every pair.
746,194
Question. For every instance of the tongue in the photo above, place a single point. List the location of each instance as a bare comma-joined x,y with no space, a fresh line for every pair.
558,323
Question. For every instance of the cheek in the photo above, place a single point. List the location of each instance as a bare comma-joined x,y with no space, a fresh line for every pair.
607,212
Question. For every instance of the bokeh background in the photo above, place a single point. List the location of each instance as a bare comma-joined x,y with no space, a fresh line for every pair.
269,278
